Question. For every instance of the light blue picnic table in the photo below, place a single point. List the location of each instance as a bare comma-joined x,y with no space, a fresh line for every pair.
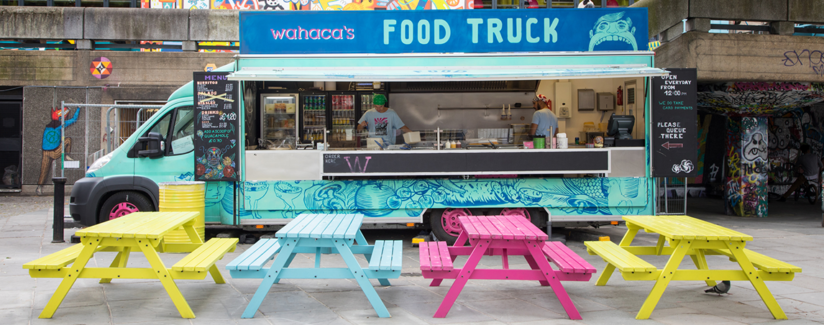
319,234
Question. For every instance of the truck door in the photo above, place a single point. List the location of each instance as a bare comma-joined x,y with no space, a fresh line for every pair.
177,162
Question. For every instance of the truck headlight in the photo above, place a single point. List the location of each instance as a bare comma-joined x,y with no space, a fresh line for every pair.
99,163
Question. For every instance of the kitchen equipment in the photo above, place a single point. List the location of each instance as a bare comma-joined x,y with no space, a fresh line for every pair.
412,137
278,122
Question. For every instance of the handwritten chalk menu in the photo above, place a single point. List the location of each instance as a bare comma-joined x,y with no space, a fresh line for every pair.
674,124
217,132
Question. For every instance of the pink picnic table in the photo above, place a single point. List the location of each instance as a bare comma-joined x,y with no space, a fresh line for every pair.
503,236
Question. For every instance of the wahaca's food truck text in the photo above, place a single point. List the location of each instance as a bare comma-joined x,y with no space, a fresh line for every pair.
406,117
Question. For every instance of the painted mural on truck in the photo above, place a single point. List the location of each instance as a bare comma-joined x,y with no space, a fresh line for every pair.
410,197
406,198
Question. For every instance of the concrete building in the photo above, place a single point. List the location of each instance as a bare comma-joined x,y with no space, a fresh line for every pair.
760,89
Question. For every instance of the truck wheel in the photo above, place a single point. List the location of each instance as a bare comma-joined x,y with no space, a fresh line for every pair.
536,216
445,223
123,203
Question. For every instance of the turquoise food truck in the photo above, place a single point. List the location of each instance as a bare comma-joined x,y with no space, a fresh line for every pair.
305,80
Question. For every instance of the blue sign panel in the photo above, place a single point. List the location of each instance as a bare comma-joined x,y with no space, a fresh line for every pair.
467,31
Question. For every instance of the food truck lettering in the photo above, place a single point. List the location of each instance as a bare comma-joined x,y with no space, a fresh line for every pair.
467,31
357,168
314,34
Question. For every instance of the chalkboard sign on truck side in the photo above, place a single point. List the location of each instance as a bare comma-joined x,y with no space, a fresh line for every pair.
217,131
674,124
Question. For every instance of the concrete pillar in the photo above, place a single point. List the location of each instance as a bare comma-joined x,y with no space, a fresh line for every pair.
84,44
671,33
698,24
782,27
189,46
746,179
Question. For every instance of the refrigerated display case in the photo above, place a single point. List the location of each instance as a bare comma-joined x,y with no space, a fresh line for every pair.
314,109
344,119
280,120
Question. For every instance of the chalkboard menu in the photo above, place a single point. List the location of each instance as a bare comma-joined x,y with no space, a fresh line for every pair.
217,132
674,124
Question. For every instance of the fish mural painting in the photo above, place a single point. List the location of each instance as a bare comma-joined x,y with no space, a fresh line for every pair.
410,197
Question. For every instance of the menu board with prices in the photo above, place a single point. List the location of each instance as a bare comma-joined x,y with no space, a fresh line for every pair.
217,131
674,124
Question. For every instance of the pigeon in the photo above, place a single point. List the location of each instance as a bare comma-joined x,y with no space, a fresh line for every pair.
720,288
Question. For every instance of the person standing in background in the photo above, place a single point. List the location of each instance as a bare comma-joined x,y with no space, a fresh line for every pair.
543,118
382,121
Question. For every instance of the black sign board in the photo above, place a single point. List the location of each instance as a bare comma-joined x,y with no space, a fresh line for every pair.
217,131
459,162
674,124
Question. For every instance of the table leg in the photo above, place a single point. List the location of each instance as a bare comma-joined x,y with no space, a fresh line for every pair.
362,280
737,251
701,263
165,278
68,281
681,249
288,262
466,273
193,236
660,245
533,265
272,277
119,261
553,281
609,269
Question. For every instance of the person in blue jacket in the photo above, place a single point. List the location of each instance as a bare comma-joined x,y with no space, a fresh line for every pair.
52,135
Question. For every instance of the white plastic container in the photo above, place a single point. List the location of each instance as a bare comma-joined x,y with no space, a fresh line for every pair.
412,137
563,142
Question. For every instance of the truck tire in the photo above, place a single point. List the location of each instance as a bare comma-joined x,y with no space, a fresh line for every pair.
444,223
535,215
124,203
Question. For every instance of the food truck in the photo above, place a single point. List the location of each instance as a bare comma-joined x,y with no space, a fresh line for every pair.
275,133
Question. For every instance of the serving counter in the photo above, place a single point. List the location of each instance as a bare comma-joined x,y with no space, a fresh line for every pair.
315,164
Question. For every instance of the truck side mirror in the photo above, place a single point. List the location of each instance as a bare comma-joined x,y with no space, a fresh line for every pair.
151,145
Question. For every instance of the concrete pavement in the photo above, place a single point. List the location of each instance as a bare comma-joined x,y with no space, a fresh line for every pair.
792,233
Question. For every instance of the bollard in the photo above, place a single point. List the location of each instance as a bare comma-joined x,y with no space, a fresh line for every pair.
59,196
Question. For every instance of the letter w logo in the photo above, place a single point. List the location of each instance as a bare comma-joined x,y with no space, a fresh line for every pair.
358,168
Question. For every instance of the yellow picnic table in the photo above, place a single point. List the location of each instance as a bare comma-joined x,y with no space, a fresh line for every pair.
687,236
141,231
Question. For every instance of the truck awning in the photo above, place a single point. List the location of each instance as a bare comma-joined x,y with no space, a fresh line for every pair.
446,67
390,74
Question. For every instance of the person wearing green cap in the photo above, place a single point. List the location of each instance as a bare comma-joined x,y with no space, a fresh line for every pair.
381,121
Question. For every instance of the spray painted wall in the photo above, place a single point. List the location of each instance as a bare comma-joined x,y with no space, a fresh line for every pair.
747,163
42,136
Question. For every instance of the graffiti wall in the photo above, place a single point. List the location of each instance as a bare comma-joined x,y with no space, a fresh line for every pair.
747,164
758,98
787,132
43,137
712,133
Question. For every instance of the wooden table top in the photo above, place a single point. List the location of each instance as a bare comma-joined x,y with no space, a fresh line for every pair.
344,226
501,227
150,225
685,227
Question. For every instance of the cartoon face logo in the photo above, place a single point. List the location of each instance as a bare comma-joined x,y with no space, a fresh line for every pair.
213,156
756,148
613,28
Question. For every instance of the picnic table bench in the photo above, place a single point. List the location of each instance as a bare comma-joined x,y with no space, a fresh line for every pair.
687,236
141,231
502,236
319,234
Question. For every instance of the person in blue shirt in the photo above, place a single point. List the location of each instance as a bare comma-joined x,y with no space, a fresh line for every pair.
52,135
543,117
381,121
